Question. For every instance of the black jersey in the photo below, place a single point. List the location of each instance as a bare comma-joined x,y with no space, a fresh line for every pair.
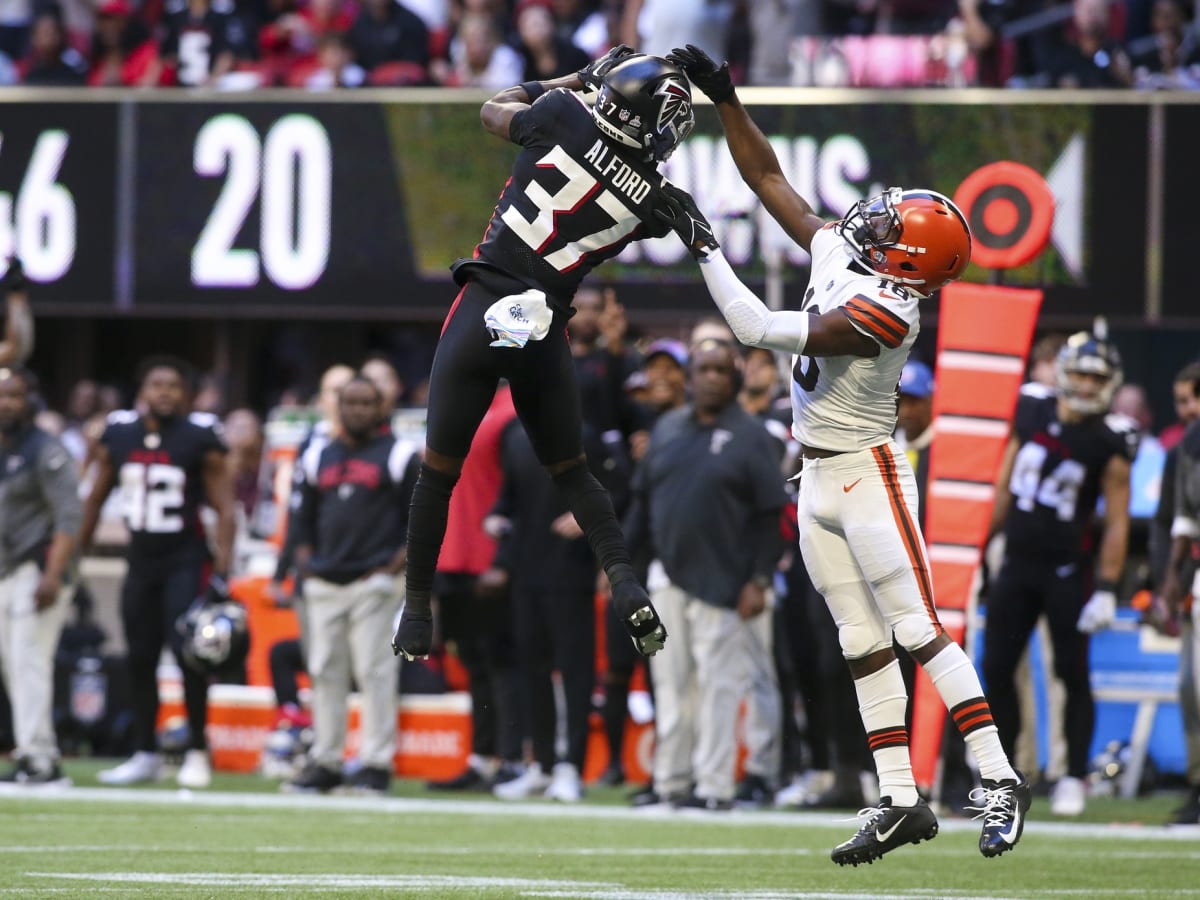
160,475
574,199
1056,476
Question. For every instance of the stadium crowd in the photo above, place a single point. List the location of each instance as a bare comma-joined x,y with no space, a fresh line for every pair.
323,44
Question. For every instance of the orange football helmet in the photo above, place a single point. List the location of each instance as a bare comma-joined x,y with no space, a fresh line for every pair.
916,238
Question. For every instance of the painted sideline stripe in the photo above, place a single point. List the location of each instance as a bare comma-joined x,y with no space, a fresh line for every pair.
537,809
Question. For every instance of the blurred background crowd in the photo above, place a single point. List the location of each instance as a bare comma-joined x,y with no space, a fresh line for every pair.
492,44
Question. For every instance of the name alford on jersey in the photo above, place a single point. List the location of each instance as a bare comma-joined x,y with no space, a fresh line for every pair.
619,175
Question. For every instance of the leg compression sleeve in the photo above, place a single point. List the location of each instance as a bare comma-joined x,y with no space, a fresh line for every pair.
426,530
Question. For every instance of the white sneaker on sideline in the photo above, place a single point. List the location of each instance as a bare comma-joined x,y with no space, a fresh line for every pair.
1069,797
530,782
138,769
565,784
195,771
807,789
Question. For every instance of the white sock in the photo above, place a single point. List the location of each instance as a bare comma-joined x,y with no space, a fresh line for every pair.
957,681
882,701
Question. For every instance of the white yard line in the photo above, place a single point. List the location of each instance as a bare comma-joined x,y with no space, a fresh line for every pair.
393,806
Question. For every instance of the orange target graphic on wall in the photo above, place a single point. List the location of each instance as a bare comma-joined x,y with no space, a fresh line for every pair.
1010,210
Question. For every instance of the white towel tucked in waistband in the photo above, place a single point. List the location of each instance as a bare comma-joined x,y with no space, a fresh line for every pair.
515,320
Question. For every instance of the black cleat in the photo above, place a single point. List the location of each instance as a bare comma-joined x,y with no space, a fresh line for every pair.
885,828
633,607
1002,805
315,779
414,635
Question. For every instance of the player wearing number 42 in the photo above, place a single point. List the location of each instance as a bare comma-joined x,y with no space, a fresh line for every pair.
165,463
581,189
857,502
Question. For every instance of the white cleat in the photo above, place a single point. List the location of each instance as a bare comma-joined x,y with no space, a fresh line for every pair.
141,768
531,782
1069,797
565,784
195,771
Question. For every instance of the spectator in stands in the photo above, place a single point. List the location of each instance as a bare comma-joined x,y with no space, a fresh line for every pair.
15,18
351,547
585,25
546,54
335,65
385,32
195,48
1001,61
293,45
706,505
52,62
657,27
1090,57
18,320
41,516
123,52
480,58
1168,57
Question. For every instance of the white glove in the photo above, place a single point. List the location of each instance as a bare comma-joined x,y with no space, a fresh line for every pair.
1098,613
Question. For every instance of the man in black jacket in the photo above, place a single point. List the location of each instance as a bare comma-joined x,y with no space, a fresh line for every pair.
350,549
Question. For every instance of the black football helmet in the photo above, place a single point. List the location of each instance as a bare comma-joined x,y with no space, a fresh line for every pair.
216,637
1089,354
645,102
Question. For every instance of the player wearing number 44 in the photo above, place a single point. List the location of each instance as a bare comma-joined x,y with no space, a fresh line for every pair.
581,189
165,463
1066,452
857,503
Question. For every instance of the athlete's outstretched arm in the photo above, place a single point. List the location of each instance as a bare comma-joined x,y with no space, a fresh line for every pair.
752,152
497,113
786,330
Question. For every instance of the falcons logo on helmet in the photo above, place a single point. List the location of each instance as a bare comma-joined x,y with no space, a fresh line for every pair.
677,101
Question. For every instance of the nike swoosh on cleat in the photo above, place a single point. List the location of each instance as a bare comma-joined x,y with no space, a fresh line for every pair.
882,836
1010,836
847,488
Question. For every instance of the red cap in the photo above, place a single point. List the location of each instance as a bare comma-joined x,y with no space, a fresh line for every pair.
115,8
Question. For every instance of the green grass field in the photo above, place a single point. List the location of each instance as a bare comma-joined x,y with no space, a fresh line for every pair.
244,839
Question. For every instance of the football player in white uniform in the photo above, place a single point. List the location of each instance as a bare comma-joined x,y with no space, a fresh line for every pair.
857,504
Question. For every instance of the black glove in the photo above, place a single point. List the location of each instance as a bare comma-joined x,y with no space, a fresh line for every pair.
712,79
217,590
14,279
677,208
593,73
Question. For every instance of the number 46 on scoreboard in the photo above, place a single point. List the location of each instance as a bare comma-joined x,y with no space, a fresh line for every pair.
40,225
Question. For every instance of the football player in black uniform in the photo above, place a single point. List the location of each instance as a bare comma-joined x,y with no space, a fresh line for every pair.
1066,453
166,463
581,189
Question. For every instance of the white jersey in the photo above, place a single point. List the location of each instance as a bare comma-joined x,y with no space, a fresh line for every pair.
849,402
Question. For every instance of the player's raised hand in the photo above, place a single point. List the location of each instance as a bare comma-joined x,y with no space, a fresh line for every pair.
676,207
712,79
593,73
